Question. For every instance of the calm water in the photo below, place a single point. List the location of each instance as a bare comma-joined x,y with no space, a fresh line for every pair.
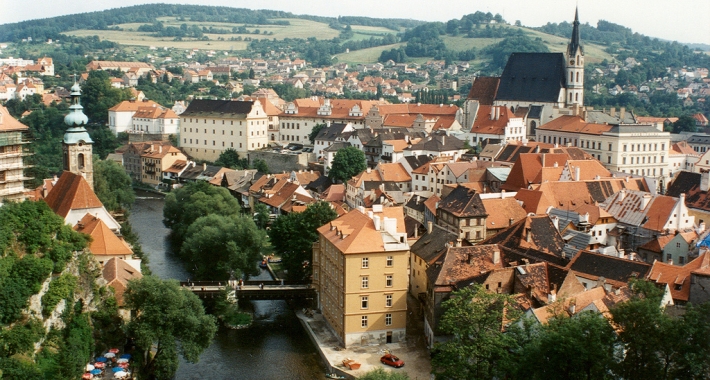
275,347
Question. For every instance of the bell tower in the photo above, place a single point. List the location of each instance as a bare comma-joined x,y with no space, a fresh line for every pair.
574,66
77,144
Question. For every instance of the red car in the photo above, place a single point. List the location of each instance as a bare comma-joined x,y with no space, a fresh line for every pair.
392,360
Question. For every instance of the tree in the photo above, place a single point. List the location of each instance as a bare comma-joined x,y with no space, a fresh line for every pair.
113,185
261,166
261,215
169,321
684,124
217,244
98,96
186,204
292,235
347,163
229,158
581,347
478,346
314,132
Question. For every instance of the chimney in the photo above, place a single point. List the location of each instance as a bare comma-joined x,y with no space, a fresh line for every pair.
458,242
390,225
369,170
510,221
612,112
622,194
443,140
543,160
572,308
160,148
376,219
361,209
497,113
496,256
502,194
429,226
622,113
528,235
577,173
646,199
204,166
704,181
556,222
701,227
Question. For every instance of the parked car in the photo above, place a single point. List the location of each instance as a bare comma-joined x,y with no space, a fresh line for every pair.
392,360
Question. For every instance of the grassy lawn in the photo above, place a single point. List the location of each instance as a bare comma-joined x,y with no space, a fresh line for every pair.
463,43
370,55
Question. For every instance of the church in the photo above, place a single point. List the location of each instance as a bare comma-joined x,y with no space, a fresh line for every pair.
537,87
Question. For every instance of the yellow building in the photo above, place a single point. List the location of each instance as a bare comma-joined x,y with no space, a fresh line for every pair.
360,273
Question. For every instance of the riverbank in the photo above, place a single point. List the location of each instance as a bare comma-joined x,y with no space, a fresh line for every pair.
413,351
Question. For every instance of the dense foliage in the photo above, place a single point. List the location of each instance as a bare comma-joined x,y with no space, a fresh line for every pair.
347,163
192,201
169,321
60,288
113,185
292,236
217,245
639,342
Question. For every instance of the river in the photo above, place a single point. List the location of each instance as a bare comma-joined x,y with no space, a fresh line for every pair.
274,347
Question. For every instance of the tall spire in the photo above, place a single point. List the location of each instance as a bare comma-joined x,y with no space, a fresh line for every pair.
574,42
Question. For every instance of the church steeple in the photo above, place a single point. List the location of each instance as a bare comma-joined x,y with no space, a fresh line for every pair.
76,145
574,42
575,67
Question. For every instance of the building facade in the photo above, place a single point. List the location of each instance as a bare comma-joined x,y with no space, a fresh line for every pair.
208,127
360,274
12,139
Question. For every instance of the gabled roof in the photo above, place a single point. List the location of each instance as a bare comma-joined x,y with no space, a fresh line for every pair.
527,169
463,203
393,172
438,144
104,241
9,123
502,212
133,105
355,232
117,273
535,77
484,89
571,123
658,244
616,271
487,124
533,232
430,246
627,207
223,108
71,192
458,266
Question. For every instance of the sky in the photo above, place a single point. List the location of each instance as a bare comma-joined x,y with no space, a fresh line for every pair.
686,21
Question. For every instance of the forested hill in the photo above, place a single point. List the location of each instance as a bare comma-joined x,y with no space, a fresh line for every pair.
42,29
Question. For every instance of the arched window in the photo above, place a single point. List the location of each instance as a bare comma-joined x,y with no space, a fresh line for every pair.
577,59
570,97
80,161
533,127
576,97
578,77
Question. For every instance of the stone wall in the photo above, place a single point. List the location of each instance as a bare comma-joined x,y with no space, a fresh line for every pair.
278,162
144,137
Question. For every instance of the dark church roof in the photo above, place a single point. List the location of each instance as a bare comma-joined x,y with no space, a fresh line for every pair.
533,77
574,42
484,90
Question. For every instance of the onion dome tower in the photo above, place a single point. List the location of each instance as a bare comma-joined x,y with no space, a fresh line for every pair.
77,144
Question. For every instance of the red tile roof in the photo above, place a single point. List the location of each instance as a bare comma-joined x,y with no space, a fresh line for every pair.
71,192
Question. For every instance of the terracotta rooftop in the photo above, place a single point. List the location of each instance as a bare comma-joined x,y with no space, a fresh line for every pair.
9,123
355,232
71,192
117,273
104,241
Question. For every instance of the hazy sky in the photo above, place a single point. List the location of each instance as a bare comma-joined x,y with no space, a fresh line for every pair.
680,20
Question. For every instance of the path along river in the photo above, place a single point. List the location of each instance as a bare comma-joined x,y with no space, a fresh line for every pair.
274,347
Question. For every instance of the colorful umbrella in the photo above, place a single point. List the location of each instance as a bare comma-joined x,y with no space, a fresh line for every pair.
95,372
121,374
122,360
126,356
87,376
109,355
123,365
89,367
113,350
99,365
101,359
117,369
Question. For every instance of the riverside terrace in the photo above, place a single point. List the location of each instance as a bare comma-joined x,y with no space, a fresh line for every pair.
253,290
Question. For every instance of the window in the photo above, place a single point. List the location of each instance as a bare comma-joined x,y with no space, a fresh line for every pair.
363,302
388,319
363,321
681,260
388,280
390,261
365,282
388,300
365,262
669,257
